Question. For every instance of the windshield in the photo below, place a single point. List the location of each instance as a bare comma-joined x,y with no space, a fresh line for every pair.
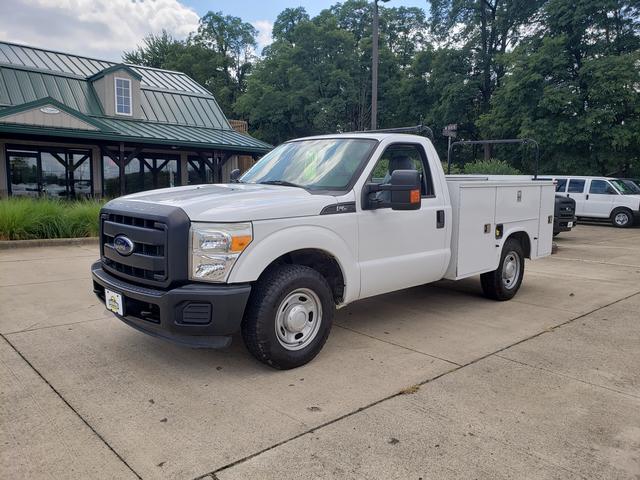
624,188
324,164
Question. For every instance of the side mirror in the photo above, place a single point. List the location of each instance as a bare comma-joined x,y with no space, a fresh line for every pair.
234,175
403,192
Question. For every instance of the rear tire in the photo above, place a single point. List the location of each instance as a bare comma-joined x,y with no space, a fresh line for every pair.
622,218
504,282
288,316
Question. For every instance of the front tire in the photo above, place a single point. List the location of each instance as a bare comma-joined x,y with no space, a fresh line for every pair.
288,316
622,218
504,282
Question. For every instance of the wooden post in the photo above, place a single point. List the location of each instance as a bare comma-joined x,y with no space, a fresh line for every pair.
121,164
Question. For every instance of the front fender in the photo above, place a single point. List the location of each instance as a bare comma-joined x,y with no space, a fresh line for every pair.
265,249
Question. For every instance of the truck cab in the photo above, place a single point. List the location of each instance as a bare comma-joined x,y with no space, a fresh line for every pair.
316,224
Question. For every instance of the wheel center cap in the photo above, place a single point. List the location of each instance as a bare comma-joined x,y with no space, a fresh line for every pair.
511,268
296,319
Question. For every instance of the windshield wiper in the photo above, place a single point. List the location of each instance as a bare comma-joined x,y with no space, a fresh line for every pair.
283,183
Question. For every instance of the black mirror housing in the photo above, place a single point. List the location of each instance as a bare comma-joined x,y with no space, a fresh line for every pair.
405,190
234,175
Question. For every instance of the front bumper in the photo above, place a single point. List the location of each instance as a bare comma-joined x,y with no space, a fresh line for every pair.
196,315
562,224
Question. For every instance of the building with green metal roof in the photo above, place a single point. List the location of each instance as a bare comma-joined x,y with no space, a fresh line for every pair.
72,126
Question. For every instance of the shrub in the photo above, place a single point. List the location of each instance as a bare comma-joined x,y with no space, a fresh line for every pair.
491,167
455,169
28,218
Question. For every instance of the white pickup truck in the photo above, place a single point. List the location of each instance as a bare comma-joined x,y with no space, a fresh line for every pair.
316,224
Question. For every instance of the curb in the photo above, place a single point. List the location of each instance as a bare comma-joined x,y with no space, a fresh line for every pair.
47,242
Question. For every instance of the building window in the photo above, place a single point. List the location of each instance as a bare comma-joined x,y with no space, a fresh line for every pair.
50,172
123,96
110,177
145,171
201,170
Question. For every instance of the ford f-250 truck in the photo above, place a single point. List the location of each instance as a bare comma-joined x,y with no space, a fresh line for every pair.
314,225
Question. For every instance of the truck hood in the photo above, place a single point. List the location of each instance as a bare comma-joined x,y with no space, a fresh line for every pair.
235,202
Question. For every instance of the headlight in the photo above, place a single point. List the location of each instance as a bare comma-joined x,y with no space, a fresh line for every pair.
215,247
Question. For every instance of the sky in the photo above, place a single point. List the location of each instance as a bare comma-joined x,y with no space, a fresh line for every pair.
105,28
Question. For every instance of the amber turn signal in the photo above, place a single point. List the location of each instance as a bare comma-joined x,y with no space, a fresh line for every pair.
415,196
240,242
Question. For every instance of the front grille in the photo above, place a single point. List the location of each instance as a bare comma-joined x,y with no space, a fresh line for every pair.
566,210
160,237
149,236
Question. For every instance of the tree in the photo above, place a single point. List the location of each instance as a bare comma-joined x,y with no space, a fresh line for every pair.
287,21
320,71
219,55
575,88
487,29
303,85
154,52
232,40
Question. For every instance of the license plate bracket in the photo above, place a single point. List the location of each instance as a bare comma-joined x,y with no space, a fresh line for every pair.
114,301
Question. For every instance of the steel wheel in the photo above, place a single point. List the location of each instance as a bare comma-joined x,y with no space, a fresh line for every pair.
298,319
510,270
621,219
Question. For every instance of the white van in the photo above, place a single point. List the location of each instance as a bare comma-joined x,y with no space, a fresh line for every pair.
600,197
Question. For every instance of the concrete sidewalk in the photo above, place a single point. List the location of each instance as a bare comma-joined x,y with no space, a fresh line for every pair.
544,386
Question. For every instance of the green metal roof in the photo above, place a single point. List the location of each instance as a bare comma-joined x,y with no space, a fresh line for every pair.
175,109
84,67
136,131
116,68
20,86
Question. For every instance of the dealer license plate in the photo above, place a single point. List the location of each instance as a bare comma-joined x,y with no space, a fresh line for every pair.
113,302
570,224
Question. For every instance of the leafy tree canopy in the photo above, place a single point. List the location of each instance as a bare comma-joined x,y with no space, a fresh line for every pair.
565,72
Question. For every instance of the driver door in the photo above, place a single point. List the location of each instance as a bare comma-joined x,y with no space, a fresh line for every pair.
600,198
402,248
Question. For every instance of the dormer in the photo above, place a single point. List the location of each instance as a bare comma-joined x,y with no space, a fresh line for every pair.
118,88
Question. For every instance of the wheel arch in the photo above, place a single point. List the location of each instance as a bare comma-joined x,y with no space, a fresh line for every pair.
525,240
321,261
317,248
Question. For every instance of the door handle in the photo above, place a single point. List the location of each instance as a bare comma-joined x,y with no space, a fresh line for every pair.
587,196
440,219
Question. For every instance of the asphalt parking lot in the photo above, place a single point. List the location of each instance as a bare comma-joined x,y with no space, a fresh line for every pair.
432,382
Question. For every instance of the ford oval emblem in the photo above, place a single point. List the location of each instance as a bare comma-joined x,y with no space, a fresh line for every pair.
123,245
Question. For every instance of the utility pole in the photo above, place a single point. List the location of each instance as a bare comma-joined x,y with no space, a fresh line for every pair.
374,69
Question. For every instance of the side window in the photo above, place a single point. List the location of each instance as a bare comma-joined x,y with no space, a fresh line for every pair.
403,157
561,185
123,96
601,187
576,186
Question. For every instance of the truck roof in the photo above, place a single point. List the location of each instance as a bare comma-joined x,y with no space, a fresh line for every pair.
368,135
